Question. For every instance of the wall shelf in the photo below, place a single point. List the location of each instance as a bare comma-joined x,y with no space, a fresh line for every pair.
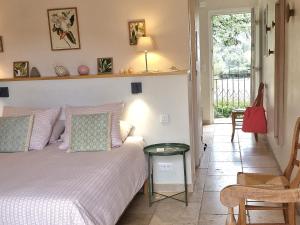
116,75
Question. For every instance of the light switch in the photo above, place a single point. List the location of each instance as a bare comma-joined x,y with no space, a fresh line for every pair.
164,118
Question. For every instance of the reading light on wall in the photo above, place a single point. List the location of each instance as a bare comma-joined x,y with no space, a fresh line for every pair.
145,44
4,93
136,88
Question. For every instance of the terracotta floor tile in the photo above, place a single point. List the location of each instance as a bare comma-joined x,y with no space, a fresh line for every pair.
225,157
176,213
259,161
217,183
224,168
211,204
274,171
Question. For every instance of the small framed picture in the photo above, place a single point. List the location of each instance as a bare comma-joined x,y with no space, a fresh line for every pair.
64,29
137,28
1,44
105,65
21,69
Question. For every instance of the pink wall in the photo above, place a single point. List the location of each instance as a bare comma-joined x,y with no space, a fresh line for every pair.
103,32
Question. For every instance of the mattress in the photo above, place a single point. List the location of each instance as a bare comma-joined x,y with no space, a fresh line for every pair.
52,187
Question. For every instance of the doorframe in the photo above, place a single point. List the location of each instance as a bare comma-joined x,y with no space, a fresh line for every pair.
212,13
193,87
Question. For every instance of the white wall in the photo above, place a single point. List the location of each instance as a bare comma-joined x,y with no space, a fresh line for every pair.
213,6
165,94
103,27
292,84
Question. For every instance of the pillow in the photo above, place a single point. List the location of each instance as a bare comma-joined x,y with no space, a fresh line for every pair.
125,129
43,122
115,109
90,132
15,133
57,130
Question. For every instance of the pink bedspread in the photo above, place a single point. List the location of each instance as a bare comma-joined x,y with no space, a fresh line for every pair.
52,187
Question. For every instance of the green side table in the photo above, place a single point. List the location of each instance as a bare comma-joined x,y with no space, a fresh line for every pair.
165,149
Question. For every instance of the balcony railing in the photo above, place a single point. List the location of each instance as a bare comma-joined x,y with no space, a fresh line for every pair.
231,91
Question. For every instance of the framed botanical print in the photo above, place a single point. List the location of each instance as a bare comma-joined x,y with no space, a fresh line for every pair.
105,65
1,44
21,69
64,29
137,28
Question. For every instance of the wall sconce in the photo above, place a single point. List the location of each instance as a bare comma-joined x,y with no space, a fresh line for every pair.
145,44
136,88
4,93
289,12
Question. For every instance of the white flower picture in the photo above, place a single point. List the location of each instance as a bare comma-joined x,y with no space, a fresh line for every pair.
64,31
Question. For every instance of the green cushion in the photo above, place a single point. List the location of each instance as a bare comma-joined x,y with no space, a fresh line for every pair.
90,132
15,133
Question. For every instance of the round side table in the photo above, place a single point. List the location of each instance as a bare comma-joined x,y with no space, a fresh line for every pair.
166,149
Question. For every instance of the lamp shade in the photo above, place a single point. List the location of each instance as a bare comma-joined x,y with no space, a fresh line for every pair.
145,44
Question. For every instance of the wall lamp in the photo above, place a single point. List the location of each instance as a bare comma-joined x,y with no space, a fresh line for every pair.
4,93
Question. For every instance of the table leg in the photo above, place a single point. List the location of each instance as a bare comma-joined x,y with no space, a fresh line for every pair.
185,180
149,181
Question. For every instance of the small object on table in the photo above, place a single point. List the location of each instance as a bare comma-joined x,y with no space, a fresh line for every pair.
83,70
174,68
130,70
166,149
34,72
61,71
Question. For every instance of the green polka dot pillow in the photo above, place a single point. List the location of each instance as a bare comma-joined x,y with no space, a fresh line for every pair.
15,133
90,133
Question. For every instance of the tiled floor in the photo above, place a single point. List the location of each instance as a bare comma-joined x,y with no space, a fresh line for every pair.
220,164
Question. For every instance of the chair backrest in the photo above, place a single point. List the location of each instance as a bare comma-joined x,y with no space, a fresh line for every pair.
259,101
294,162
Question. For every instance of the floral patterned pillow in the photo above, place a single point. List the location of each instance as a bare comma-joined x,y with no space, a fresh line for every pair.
90,132
15,133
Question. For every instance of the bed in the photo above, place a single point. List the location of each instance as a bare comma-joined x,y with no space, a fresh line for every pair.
52,187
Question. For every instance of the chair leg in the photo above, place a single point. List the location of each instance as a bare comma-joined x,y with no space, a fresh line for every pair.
233,126
285,213
242,214
291,214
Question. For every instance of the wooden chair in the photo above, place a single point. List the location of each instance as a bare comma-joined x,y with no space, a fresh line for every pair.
238,114
268,188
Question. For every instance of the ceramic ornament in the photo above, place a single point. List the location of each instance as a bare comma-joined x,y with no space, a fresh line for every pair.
83,70
61,71
35,72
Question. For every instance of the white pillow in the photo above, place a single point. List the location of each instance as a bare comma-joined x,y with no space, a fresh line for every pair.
125,129
57,131
43,122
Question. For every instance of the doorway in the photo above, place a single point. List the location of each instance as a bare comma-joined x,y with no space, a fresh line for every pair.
231,62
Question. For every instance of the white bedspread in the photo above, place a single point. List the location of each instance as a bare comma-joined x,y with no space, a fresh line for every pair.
52,187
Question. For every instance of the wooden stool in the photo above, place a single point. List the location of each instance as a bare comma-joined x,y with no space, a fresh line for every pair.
237,122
